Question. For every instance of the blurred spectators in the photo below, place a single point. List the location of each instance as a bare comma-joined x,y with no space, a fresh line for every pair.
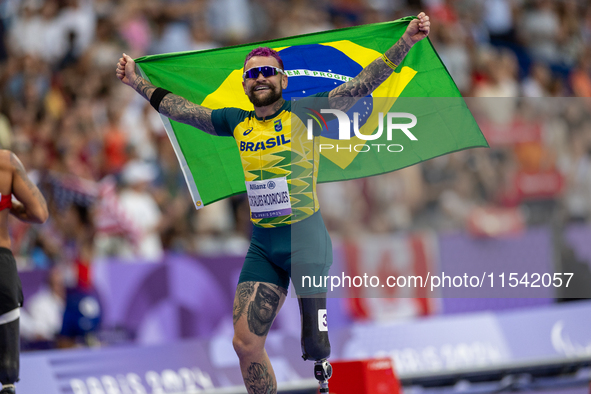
43,314
142,210
537,83
101,155
116,234
498,17
539,31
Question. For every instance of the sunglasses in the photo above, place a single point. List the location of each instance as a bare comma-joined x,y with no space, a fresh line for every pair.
267,71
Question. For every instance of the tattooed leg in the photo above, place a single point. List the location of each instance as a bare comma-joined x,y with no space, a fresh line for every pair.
255,306
258,380
243,293
263,309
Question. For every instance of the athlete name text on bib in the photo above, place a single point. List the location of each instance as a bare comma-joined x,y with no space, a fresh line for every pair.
268,198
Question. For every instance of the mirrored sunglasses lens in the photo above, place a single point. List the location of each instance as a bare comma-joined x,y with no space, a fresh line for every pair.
265,70
268,71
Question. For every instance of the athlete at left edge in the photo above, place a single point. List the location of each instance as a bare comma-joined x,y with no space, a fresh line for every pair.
264,279
22,199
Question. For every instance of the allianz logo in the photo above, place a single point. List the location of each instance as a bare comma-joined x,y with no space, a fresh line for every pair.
258,186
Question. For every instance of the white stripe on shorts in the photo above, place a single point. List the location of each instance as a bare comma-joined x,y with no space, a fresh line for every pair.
10,316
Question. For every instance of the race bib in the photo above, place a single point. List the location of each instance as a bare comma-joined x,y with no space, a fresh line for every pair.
268,199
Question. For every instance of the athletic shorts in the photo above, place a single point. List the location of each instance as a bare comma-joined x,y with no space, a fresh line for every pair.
298,250
11,292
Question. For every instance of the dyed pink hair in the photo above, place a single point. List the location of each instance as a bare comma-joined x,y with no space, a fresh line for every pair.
265,52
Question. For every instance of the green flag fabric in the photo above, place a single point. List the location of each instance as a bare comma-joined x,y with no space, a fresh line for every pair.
316,63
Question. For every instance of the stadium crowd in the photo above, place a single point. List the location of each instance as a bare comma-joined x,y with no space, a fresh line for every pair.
102,158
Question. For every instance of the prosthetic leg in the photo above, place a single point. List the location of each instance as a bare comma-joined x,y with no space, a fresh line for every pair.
9,356
315,343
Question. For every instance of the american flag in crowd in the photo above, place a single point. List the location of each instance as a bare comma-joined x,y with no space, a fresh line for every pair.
71,189
110,218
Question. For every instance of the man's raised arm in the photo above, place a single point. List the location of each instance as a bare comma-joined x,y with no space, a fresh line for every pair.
380,69
172,106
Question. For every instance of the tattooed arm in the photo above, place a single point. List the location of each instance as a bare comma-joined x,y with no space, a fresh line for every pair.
172,106
378,71
31,205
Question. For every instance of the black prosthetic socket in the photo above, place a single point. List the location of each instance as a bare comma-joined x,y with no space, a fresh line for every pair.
9,352
315,343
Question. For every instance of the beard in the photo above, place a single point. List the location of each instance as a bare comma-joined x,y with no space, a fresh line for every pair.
273,95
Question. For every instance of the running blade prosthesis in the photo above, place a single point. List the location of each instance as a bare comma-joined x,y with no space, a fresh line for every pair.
322,372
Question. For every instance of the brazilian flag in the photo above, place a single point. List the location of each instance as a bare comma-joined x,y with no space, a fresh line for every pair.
315,63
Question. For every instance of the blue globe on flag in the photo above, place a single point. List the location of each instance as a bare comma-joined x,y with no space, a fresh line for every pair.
319,68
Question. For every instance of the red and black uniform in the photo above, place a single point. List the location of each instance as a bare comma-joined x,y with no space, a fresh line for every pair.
11,299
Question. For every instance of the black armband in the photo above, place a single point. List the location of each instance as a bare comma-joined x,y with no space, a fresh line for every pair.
157,97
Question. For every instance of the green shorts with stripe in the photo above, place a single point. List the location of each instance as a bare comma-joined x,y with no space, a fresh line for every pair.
293,251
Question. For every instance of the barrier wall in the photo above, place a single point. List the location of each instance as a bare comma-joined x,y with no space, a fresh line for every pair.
166,306
186,297
431,345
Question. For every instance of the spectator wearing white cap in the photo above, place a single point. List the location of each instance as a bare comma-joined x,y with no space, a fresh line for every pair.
142,209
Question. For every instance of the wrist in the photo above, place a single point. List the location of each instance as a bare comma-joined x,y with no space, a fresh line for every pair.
407,40
135,82
157,96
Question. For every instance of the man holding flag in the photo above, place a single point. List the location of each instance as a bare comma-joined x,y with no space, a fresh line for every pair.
288,228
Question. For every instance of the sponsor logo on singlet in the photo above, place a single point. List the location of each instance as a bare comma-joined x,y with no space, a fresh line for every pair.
278,125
